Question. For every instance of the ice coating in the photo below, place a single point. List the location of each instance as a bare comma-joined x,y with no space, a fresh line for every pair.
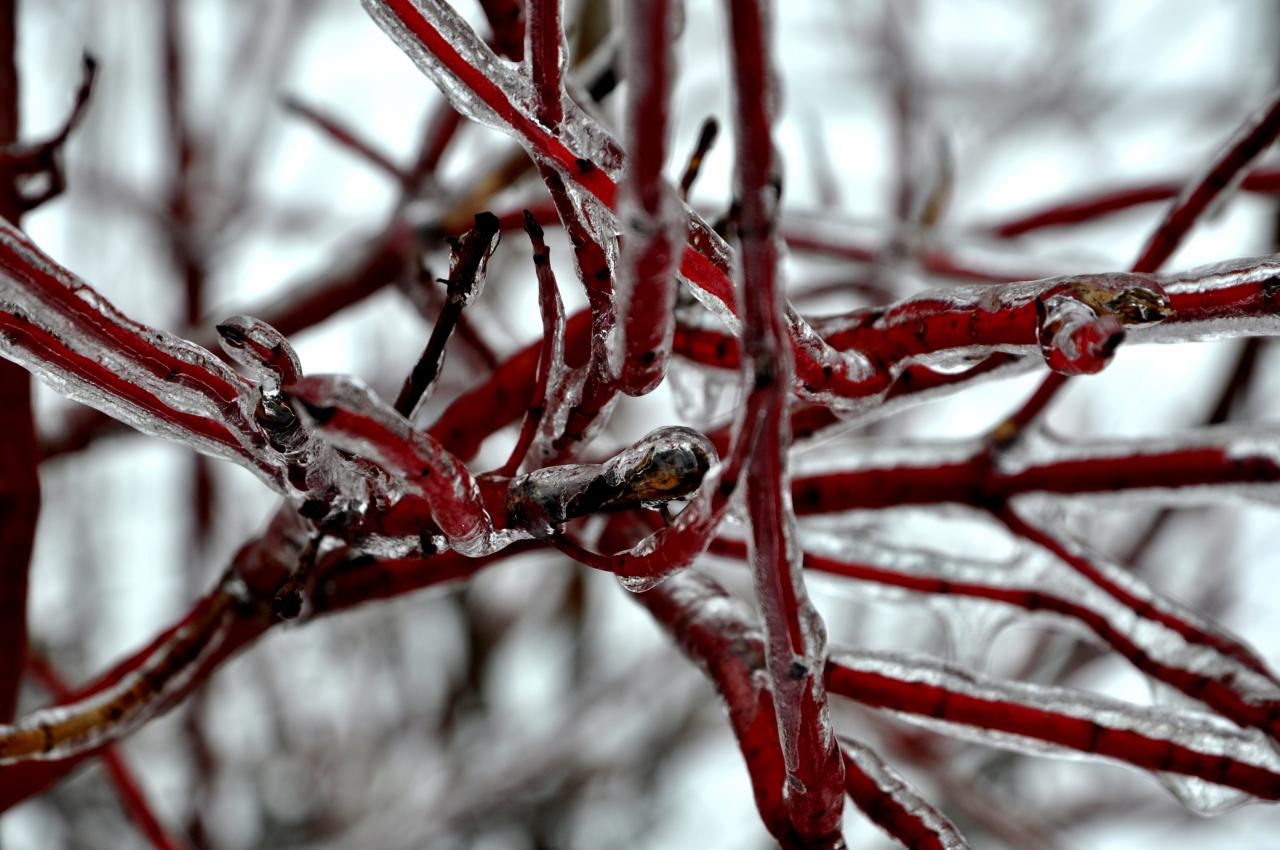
1074,339
564,390
63,331
1048,720
262,349
352,417
650,211
1199,659
444,47
862,763
110,714
667,464
1234,298
585,137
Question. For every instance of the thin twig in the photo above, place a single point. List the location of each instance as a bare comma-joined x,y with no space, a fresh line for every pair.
468,265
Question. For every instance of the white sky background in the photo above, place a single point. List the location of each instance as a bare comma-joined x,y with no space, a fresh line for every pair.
1143,90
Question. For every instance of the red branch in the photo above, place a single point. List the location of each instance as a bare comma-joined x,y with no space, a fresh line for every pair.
545,61
132,796
341,582
506,17
1251,140
1262,181
1099,737
795,635
647,284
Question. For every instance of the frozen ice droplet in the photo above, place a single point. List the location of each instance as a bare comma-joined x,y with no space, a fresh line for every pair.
262,350
1203,797
640,584
1080,326
1073,337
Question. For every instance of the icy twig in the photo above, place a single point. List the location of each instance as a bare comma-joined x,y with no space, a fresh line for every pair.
506,393
1188,655
1047,720
1262,181
706,139
109,714
652,218
56,326
1254,137
427,484
551,377
893,805
344,580
131,794
468,266
22,163
595,264
795,636
1204,462
1251,140
506,18
718,635
448,51
545,51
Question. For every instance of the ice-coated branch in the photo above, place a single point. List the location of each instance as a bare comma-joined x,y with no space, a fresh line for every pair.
682,455
1251,140
795,636
468,265
720,637
507,19
652,218
1046,720
545,51
506,394
178,662
21,162
486,90
893,805
59,328
595,258
124,705
1254,137
1184,653
1179,466
1132,593
551,382
429,489
132,796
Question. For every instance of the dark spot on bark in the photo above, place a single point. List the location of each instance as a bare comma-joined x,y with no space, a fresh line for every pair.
287,604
